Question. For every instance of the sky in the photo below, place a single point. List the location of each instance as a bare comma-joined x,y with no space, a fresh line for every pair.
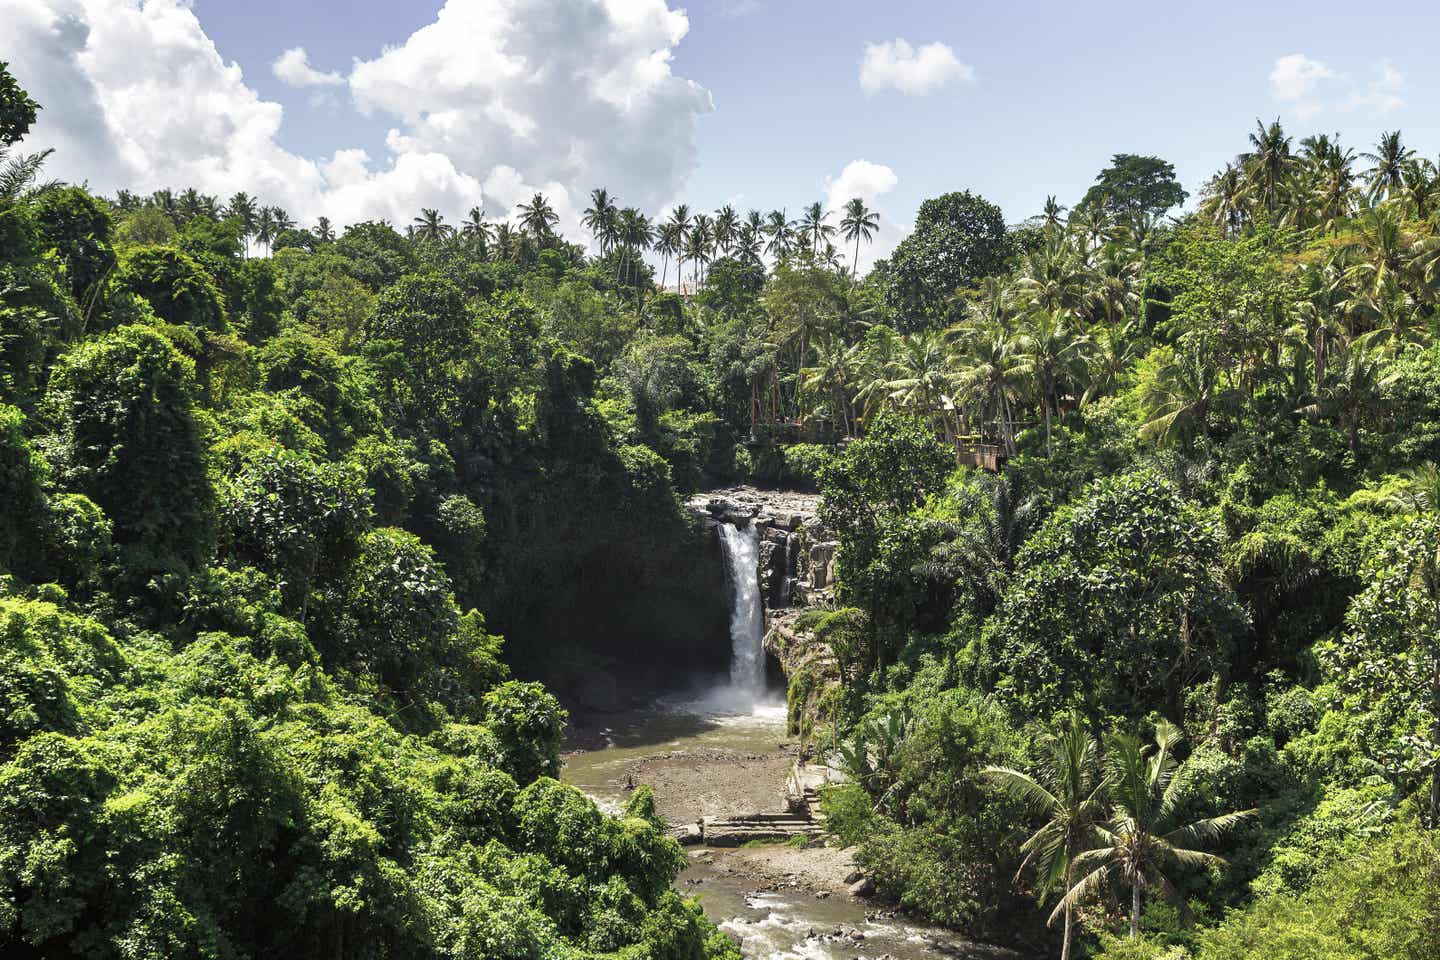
376,108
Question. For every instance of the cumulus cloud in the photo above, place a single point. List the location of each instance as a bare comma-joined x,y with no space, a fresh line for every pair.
1295,75
868,181
494,99
897,65
293,68
1310,87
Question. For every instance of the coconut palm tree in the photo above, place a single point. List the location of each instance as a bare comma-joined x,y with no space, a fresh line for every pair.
636,236
667,243
922,380
602,219
506,240
813,226
858,223
324,232
700,247
477,230
242,209
431,227
1067,790
749,244
1051,354
1268,164
680,220
781,233
1225,201
1141,843
265,226
1387,175
537,217
1052,215
727,228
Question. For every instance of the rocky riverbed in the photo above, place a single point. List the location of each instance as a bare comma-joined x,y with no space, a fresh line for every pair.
706,757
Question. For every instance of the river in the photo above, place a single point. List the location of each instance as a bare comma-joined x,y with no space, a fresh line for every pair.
710,758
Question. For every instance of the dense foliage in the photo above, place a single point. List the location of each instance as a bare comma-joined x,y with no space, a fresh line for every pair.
250,705
275,491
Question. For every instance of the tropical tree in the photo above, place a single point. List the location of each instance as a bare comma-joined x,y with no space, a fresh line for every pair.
324,232
242,209
1051,353
537,217
1066,790
858,223
476,229
780,231
813,226
726,228
1387,175
1268,164
1140,842
602,219
680,224
667,244
431,227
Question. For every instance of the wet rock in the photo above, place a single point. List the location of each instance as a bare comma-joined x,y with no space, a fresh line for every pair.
853,876
863,887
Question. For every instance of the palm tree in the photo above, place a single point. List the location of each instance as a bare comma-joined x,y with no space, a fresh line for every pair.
1389,159
283,220
1052,216
680,221
668,244
858,223
749,243
813,225
922,377
265,227
1177,396
538,217
242,208
727,228
779,230
324,232
1269,163
699,249
1050,354
506,240
602,219
1141,844
1420,189
1068,791
636,235
476,229
1225,201
431,227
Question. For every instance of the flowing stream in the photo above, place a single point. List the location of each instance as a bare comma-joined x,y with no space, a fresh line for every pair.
747,612
659,745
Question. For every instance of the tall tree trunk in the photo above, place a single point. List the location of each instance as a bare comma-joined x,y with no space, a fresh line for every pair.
1135,908
1065,944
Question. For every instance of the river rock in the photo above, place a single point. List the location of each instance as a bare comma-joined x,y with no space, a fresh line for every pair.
863,887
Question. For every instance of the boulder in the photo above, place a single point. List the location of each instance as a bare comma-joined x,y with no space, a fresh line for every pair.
863,887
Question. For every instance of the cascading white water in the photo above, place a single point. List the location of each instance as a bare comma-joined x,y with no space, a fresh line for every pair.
747,615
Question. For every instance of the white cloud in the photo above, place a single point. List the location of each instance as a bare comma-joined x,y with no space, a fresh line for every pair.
868,181
293,68
1382,95
897,65
1295,75
498,98
1310,88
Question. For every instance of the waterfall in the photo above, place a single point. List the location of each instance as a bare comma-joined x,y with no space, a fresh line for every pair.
747,616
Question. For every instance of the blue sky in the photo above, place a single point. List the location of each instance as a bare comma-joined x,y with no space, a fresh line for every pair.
1019,100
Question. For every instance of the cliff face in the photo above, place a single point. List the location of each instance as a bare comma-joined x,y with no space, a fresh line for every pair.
797,573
